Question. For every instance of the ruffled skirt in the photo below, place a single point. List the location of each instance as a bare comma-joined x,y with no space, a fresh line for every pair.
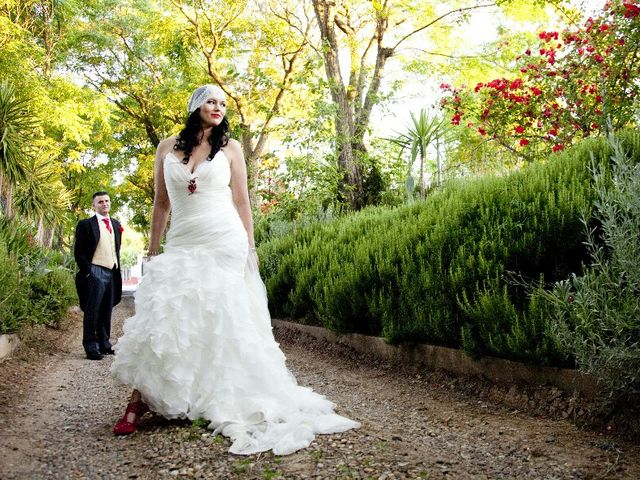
200,346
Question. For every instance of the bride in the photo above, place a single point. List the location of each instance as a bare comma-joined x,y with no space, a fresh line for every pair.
200,344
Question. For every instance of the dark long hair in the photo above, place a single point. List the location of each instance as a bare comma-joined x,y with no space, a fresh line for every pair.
188,137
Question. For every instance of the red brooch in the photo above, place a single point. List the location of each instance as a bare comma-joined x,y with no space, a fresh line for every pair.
192,185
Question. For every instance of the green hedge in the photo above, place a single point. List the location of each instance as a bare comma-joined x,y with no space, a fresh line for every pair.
36,287
442,270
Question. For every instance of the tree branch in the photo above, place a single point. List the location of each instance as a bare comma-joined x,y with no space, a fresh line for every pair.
441,17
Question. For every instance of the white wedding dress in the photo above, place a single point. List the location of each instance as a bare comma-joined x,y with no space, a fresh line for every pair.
200,344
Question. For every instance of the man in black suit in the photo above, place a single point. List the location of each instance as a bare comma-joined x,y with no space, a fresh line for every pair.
98,281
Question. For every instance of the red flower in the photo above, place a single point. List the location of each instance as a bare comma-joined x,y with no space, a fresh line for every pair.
519,129
517,83
482,131
631,10
546,36
498,84
557,147
456,119
553,132
524,142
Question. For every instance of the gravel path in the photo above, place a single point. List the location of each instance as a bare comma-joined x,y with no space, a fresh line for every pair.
57,411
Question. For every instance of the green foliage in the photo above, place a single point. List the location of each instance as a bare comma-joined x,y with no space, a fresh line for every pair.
132,247
438,270
128,257
12,298
16,122
36,284
16,237
51,292
423,132
596,316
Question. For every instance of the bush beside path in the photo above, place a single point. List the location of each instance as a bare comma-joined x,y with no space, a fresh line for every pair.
57,410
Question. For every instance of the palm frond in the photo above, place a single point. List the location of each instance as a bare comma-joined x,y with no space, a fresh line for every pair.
16,131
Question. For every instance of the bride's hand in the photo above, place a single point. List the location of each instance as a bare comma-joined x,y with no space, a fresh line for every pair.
255,255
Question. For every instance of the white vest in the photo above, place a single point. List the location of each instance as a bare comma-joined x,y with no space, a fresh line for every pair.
105,254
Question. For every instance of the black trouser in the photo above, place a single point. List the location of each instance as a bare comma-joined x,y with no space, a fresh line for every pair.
97,314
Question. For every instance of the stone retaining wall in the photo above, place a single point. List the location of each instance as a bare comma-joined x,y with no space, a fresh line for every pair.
455,361
8,343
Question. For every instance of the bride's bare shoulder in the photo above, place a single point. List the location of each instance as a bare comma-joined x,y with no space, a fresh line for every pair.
165,146
233,149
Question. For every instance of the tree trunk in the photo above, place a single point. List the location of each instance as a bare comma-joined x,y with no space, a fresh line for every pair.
44,236
6,197
40,232
421,174
251,157
351,188
59,239
438,164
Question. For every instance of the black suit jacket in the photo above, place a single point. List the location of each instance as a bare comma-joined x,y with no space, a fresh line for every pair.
86,242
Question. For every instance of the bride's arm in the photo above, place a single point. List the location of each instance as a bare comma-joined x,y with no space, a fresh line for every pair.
239,188
161,204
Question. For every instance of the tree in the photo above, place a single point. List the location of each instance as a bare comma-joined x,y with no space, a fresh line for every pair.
269,41
137,59
567,89
371,33
36,37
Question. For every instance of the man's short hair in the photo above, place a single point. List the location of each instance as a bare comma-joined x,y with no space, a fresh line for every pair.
99,194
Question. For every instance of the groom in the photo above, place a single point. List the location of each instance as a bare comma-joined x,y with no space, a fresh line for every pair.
98,281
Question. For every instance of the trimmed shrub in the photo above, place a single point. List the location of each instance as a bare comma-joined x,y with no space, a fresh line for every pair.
439,270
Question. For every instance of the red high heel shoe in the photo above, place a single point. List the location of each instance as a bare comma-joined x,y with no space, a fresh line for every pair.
124,426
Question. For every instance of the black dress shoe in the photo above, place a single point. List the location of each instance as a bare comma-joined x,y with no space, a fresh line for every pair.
107,351
94,356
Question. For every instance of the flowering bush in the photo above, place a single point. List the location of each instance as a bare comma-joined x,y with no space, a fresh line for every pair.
566,89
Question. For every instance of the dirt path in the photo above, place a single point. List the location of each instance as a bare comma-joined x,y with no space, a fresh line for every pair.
57,410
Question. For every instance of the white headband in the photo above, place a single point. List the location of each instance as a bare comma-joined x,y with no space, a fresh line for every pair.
203,94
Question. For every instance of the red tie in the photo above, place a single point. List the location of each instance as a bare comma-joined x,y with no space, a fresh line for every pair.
107,224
